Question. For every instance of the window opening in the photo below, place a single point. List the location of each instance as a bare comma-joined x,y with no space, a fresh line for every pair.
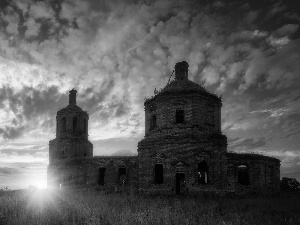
180,183
159,174
74,124
153,122
179,116
84,126
243,176
122,176
101,176
64,124
202,173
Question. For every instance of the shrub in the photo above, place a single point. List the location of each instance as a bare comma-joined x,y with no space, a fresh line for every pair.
289,184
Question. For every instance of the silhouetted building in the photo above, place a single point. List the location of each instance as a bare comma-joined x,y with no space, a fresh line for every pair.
183,148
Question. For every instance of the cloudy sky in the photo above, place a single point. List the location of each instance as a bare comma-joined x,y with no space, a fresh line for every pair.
115,54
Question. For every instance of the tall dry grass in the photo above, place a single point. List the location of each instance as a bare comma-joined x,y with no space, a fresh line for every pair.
90,207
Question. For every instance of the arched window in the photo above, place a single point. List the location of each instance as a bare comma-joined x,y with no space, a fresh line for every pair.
158,174
63,154
179,116
202,173
122,176
64,124
84,126
243,176
74,124
153,122
84,154
101,176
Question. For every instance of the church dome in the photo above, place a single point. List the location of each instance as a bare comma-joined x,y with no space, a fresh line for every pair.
72,104
182,105
181,84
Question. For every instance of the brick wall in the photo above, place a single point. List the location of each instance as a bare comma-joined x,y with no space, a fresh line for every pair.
200,111
85,171
263,171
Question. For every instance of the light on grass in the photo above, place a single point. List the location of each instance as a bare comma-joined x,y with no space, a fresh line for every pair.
39,198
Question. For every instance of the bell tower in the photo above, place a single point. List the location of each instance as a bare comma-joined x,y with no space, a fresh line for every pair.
71,135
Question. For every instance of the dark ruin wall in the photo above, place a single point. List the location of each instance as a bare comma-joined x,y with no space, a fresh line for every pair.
262,171
178,146
67,130
200,112
86,171
60,149
181,153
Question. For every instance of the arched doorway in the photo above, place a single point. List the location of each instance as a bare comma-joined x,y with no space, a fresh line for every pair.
101,180
243,176
202,173
180,183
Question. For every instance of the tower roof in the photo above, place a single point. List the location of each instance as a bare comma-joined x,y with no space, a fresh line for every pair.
72,103
181,84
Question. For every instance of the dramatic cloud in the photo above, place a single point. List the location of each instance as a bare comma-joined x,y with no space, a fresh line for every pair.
115,53
287,29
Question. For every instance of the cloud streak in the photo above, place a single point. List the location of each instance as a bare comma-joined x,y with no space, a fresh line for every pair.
116,53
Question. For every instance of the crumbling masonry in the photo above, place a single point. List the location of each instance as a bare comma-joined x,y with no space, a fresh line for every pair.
183,149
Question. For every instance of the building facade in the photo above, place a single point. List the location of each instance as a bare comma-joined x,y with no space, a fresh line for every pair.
183,149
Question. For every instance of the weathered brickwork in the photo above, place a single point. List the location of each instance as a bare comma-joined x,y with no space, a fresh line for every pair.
86,171
183,151
263,171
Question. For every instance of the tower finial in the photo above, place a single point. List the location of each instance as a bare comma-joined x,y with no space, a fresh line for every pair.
181,70
72,97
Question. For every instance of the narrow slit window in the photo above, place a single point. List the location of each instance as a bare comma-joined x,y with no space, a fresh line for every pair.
84,126
101,176
159,174
153,122
74,124
179,116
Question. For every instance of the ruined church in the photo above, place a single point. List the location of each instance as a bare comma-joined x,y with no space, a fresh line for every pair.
183,150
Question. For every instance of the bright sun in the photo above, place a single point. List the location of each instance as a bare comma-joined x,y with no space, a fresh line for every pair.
38,183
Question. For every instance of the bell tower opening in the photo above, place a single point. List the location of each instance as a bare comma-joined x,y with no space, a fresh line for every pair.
153,122
64,124
74,124
179,116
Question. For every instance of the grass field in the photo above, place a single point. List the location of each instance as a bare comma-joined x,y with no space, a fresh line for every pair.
88,207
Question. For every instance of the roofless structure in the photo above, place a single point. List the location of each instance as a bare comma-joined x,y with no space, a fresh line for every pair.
183,151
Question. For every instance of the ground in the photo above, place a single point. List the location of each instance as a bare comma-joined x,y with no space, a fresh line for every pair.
92,207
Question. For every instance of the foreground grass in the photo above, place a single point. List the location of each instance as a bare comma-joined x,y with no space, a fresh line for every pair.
87,207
